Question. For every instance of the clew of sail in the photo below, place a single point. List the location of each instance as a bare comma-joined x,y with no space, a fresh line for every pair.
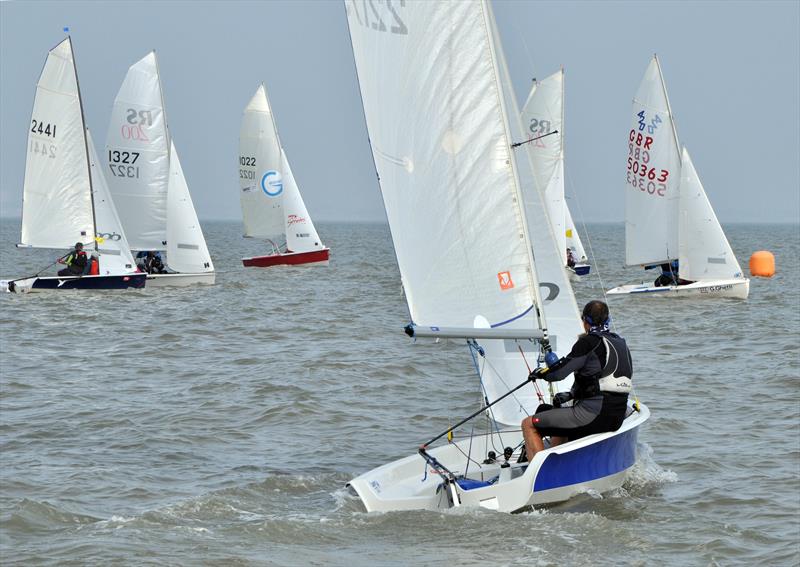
115,255
652,190
705,253
137,155
186,247
261,178
57,206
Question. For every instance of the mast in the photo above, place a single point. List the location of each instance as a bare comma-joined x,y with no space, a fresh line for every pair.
518,199
669,108
163,105
85,144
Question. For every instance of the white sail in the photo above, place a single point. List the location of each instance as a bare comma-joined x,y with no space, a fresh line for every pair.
439,131
301,236
573,237
558,299
653,175
705,253
186,247
137,156
543,114
115,255
57,206
260,174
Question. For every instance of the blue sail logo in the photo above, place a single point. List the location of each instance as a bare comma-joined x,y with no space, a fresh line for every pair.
272,183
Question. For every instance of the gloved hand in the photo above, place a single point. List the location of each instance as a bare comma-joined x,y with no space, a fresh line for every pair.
537,373
561,398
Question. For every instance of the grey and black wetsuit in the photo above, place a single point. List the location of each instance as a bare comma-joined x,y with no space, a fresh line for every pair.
602,367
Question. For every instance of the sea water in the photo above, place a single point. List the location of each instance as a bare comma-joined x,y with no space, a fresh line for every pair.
218,425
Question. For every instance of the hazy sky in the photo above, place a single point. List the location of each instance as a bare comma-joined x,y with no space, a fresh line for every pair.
731,70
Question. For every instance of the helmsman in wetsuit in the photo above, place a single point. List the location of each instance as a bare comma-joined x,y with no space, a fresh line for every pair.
603,372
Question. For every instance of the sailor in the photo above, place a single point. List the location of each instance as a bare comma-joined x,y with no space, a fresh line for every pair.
602,367
669,274
571,258
76,262
153,263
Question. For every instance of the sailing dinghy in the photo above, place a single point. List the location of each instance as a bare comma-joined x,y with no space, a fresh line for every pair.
668,216
148,183
442,118
272,208
543,115
65,195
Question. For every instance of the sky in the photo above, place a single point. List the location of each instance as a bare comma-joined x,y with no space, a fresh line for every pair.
732,71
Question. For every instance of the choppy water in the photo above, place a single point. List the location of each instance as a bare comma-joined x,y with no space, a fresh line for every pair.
218,425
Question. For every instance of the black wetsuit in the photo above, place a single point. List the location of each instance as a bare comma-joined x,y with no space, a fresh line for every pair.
600,388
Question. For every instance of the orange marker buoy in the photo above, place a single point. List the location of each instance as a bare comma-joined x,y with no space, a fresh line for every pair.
762,264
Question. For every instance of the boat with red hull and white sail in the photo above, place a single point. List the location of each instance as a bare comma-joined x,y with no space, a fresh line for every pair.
272,208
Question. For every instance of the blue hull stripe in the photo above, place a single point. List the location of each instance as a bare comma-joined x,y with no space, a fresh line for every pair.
582,270
93,282
592,462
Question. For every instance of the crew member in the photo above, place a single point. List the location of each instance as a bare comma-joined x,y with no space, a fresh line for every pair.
602,367
76,262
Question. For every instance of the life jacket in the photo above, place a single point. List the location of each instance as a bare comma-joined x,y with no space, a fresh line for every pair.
616,374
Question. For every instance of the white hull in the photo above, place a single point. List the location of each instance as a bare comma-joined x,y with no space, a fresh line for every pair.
598,462
738,289
180,280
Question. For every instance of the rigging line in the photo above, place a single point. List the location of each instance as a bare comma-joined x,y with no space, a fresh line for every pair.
597,271
588,239
535,385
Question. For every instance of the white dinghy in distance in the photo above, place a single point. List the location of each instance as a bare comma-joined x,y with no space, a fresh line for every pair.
144,172
442,119
272,208
543,117
668,216
65,196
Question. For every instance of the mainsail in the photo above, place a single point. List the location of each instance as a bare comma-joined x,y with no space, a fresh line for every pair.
705,253
653,175
137,149
260,170
57,198
441,139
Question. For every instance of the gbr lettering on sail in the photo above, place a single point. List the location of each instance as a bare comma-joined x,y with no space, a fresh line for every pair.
645,172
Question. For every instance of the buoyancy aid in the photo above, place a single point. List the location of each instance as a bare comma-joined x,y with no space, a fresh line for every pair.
616,374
